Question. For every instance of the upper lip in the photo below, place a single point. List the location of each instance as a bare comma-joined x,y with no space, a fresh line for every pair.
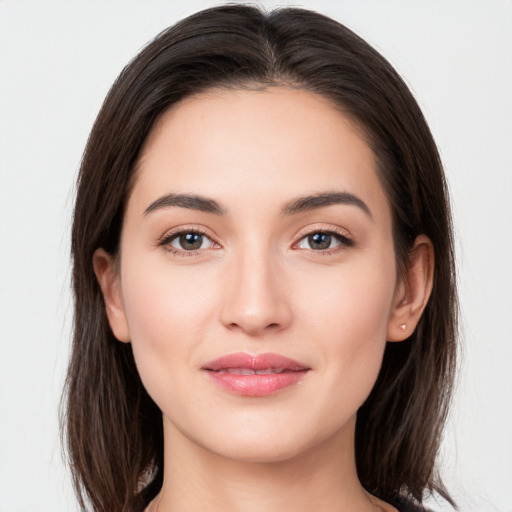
254,362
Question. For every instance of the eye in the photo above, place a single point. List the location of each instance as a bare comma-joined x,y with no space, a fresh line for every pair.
189,241
324,241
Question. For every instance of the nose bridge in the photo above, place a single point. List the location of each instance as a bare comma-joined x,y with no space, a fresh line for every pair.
256,298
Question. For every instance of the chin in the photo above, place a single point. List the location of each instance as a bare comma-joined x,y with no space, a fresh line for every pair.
260,451
260,444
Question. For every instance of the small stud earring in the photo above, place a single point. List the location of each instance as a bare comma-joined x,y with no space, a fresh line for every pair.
403,327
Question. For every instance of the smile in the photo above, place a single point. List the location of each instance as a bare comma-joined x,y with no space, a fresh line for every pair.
259,375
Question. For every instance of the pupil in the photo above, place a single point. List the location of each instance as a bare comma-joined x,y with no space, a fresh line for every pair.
191,241
319,241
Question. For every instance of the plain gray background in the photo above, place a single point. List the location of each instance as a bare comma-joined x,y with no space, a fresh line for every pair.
57,61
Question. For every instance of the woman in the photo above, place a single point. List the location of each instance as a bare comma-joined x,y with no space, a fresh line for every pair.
265,306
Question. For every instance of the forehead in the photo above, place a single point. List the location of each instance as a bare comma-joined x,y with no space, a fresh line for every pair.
259,144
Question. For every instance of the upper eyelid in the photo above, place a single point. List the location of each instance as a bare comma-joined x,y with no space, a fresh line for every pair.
336,230
174,232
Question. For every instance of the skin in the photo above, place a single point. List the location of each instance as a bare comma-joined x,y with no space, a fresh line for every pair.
257,284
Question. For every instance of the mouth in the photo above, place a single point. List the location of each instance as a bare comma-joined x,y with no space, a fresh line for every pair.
255,375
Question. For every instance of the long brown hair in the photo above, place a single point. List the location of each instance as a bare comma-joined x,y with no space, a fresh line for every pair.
113,429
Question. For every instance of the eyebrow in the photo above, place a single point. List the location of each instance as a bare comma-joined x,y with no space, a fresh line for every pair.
313,202
190,201
298,205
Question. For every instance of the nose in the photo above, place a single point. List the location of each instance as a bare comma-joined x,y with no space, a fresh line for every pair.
256,300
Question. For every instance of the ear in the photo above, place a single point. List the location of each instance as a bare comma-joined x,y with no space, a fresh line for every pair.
108,278
413,292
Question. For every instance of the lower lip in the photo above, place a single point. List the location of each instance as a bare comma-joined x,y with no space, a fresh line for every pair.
256,385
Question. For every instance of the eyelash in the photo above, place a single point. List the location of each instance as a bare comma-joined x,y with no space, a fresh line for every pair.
341,236
168,238
345,241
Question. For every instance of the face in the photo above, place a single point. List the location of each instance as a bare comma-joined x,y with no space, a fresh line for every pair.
257,279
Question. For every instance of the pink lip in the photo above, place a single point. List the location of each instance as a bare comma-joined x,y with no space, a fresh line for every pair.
273,372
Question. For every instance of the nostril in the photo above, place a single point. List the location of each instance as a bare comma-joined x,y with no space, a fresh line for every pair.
255,329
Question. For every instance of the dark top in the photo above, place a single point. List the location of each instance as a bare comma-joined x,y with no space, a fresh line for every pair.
404,505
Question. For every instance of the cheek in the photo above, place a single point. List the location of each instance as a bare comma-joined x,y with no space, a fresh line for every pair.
348,319
163,301
352,302
167,311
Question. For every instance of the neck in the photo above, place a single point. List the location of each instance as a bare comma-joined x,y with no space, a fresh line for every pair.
320,478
